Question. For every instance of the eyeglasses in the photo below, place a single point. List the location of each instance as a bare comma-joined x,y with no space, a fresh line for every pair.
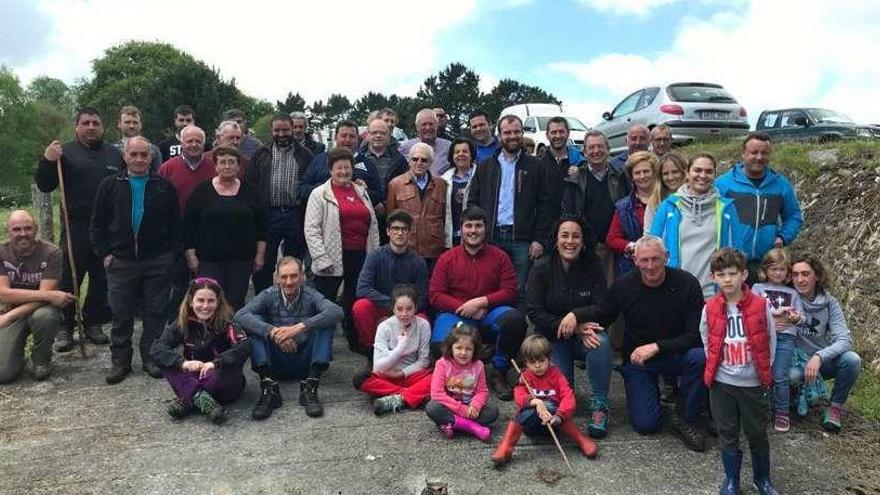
418,159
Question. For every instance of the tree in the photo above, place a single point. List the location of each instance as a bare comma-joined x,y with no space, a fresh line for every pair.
457,89
510,92
371,102
293,103
53,92
19,140
338,108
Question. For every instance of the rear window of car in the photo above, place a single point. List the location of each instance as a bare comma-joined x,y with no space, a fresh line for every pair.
698,93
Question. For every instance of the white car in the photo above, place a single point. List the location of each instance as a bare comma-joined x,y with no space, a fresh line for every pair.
536,128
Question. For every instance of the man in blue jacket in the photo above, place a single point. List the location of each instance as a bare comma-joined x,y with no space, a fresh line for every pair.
766,204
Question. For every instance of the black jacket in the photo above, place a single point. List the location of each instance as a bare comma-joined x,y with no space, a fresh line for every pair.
110,230
259,173
531,209
230,349
577,201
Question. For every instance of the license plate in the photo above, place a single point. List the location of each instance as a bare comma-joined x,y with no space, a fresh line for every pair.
716,115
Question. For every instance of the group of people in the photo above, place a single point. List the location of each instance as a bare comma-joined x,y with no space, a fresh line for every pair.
427,249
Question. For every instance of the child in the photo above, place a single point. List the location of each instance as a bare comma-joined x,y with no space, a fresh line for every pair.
553,402
458,387
739,338
775,273
401,377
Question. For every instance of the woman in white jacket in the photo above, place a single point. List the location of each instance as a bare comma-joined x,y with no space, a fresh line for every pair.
462,156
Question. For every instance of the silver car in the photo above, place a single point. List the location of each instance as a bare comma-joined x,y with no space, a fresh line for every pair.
693,110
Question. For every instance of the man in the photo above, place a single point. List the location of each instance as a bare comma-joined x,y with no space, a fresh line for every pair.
661,308
637,139
393,263
661,140
190,166
390,118
512,188
85,162
560,161
170,146
426,125
275,173
767,207
302,135
475,283
30,302
229,134
378,154
249,144
442,121
345,136
130,126
291,328
481,131
136,231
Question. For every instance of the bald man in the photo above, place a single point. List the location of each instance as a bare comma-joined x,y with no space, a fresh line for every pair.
638,137
30,301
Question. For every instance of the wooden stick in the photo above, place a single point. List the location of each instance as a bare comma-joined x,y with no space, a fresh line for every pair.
73,275
549,426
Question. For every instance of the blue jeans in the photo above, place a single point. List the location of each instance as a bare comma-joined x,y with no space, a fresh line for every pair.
283,228
314,347
519,256
781,371
643,394
565,351
845,371
531,423
506,327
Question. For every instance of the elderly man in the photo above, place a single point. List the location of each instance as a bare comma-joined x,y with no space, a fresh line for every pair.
191,167
136,231
291,328
387,161
171,146
130,126
661,308
480,128
426,125
302,135
661,140
442,122
85,162
249,144
637,139
30,301
229,133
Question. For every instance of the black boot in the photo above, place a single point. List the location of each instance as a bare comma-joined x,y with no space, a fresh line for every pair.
761,472
308,397
117,374
732,461
64,340
95,335
270,399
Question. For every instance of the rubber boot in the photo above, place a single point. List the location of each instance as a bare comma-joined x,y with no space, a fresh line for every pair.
732,462
502,454
470,426
587,446
761,471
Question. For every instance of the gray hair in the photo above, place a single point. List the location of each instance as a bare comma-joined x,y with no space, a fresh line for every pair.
425,148
227,123
142,139
424,114
192,128
298,116
637,128
649,240
287,260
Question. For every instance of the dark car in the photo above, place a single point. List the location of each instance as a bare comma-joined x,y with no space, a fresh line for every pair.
812,124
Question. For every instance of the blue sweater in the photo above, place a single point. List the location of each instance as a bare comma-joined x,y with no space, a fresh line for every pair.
383,269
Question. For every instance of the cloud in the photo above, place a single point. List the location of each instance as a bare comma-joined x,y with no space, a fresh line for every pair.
640,8
24,27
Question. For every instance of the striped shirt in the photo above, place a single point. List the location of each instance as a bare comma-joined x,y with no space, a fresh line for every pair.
284,181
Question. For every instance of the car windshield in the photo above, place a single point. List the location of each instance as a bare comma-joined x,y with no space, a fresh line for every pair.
573,123
699,93
829,116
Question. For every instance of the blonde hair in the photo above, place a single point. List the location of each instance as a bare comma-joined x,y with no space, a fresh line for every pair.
661,191
776,256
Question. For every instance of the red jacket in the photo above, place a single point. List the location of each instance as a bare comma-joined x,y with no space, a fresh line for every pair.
458,276
754,314
552,387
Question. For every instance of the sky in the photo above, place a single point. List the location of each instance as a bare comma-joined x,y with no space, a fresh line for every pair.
588,53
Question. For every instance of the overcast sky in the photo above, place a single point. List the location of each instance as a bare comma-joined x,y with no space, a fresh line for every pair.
589,53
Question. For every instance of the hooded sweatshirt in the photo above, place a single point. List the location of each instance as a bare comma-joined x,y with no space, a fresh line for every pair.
824,333
697,235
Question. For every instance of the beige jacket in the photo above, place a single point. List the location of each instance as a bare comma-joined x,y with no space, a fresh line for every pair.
324,234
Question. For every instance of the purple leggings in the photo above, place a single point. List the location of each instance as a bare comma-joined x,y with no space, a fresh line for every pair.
226,385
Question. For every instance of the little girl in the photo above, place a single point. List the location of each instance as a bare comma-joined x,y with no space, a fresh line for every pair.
401,377
775,275
458,387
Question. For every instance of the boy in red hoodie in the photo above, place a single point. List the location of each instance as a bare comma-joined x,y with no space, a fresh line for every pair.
552,403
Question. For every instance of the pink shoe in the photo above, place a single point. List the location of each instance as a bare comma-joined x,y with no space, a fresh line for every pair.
470,426
446,430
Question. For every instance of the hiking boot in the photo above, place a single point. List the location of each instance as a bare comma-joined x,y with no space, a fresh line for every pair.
690,435
270,399
151,369
389,404
64,340
831,418
41,372
501,386
208,405
597,427
308,397
117,374
95,335
781,422
179,409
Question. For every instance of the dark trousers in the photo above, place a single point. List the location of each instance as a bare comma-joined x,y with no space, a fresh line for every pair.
179,278
352,263
95,310
233,277
441,414
530,421
735,407
284,228
130,282
224,384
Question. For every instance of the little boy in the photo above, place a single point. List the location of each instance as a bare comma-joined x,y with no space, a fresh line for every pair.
553,402
740,339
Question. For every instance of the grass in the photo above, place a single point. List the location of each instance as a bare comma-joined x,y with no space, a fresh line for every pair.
865,397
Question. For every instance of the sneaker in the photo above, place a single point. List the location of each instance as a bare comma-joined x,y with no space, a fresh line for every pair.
389,404
831,418
597,427
308,397
117,374
208,405
64,340
690,435
501,385
95,335
41,372
270,399
446,430
781,422
178,409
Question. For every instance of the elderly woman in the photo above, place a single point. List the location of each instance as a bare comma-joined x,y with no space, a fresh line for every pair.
340,228
824,338
567,278
627,225
462,156
225,228
673,174
423,196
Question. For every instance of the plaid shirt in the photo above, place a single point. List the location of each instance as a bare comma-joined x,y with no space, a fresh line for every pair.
284,181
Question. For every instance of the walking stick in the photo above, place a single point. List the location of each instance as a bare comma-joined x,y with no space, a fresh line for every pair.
549,426
80,329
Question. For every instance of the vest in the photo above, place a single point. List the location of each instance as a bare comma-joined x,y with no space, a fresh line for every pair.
754,314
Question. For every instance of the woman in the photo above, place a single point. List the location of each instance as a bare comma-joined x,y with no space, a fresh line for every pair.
423,196
225,234
207,371
340,228
627,224
825,338
673,174
567,278
463,157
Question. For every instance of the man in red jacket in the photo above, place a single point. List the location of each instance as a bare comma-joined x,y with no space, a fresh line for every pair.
475,283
